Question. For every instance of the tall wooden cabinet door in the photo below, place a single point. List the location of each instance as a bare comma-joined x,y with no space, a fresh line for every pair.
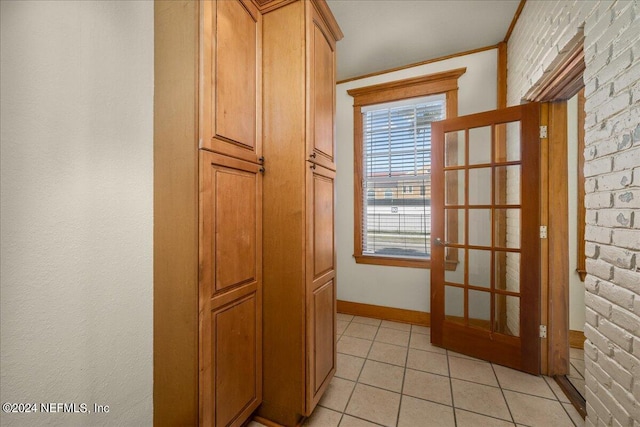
232,87
321,282
321,80
230,290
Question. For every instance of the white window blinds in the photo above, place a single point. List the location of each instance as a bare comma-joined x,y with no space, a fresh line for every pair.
397,176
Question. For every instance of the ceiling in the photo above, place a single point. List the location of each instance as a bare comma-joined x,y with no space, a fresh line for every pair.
384,34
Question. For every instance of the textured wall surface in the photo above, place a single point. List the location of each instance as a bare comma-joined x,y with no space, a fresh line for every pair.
543,32
612,172
76,210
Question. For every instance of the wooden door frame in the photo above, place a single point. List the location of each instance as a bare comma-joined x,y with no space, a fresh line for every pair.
555,274
556,87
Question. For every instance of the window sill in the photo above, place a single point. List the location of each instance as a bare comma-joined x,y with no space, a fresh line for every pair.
401,262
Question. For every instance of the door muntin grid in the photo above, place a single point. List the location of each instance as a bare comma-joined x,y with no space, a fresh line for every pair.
482,176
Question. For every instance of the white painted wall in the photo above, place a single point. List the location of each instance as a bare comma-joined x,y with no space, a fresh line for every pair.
576,286
399,287
76,209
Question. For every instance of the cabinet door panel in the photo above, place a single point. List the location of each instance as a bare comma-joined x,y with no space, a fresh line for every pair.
323,221
323,334
234,360
322,75
234,205
232,93
321,295
230,298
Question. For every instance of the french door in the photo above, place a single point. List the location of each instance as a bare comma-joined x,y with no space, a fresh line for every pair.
485,251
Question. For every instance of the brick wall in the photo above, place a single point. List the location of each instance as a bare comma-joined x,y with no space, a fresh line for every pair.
543,33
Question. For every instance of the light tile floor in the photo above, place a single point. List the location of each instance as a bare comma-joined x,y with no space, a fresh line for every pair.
389,374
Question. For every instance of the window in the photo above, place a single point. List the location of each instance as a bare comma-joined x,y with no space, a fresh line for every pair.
397,156
392,144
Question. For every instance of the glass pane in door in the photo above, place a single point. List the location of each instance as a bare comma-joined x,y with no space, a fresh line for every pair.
454,187
507,317
480,227
454,226
454,148
507,185
480,309
509,132
480,186
479,274
456,274
506,266
506,225
454,304
480,145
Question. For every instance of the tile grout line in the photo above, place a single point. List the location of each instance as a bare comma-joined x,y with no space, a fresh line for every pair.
363,419
453,402
503,395
577,370
552,399
404,375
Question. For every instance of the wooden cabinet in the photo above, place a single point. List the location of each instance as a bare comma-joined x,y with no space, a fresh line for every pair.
226,218
207,213
299,201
